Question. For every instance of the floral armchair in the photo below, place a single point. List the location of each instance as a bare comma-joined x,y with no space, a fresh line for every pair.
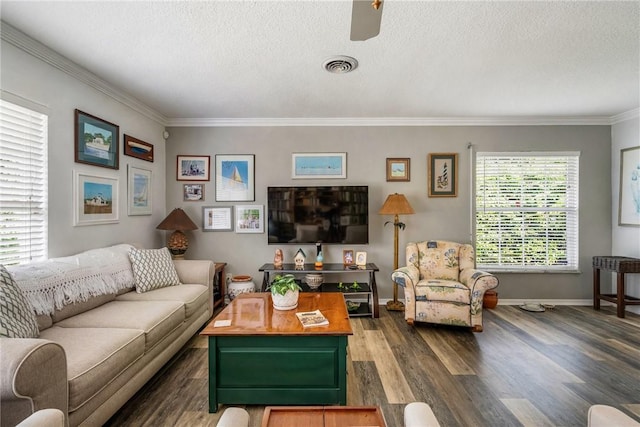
441,284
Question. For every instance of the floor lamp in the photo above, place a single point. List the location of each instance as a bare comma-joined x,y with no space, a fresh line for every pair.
396,204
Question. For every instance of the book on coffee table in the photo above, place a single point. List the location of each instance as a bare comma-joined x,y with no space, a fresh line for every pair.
312,318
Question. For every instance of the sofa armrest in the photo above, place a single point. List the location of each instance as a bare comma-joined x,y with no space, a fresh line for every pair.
604,416
33,377
195,271
45,418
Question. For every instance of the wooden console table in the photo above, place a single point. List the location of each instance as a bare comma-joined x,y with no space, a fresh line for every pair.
621,265
266,357
371,309
322,416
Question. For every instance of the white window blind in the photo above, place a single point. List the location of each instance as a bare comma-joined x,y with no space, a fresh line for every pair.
23,184
527,211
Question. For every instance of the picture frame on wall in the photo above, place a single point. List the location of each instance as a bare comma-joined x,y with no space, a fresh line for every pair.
96,141
193,168
193,192
235,178
139,191
249,218
443,174
137,148
318,165
398,169
95,199
217,218
629,199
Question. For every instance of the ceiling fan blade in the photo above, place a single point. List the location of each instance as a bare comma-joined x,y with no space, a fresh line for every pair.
365,20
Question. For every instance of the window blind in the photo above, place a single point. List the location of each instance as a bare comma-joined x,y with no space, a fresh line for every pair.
23,184
527,211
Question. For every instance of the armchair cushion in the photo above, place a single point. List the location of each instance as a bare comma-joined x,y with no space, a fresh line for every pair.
436,259
442,290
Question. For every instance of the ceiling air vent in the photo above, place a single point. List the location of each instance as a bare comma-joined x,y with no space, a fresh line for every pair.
340,64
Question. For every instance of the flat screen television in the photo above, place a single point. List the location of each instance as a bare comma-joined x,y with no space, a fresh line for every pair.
332,214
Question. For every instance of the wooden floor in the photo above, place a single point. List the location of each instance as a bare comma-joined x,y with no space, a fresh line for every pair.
525,369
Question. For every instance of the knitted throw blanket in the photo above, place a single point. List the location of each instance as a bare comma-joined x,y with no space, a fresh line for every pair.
51,285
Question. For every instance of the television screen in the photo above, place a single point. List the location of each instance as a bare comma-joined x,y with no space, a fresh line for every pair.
336,214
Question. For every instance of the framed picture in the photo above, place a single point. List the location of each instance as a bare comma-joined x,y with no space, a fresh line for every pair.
235,178
361,259
95,199
139,191
443,174
318,165
96,141
193,192
218,218
249,219
137,148
347,257
193,168
629,209
398,169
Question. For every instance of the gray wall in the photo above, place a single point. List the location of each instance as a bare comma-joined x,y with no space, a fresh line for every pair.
59,94
626,239
435,218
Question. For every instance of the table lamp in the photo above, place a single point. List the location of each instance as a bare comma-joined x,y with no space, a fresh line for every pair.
178,221
396,204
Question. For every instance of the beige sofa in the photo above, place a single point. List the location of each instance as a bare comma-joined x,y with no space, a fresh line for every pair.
91,357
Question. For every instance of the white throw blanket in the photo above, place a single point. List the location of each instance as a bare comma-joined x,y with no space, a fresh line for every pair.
52,284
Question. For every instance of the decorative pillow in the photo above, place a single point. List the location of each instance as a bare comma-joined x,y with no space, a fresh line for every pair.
153,269
17,319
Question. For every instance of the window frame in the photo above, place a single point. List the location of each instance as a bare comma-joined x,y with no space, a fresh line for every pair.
569,212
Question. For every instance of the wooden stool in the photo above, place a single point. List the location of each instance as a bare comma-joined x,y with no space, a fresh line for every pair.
621,265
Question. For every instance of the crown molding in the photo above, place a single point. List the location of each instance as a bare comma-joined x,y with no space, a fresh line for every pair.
627,115
33,47
390,121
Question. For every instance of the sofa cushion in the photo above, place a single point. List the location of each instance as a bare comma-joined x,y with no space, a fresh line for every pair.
192,296
95,356
153,269
439,260
17,319
442,290
80,307
155,318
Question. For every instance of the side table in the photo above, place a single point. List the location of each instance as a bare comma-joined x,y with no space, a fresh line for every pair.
621,265
219,284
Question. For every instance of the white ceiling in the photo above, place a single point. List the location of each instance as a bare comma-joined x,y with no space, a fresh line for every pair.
433,59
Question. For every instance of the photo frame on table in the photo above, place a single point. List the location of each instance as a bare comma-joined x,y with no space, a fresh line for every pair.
137,148
629,200
193,192
249,218
443,174
398,169
235,178
217,218
95,199
361,259
318,165
348,257
193,168
139,191
96,141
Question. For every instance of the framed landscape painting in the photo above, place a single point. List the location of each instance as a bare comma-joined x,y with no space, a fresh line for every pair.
318,165
139,191
95,199
96,141
398,169
193,168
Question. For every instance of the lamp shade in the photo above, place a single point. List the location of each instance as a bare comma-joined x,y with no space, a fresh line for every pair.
177,220
396,204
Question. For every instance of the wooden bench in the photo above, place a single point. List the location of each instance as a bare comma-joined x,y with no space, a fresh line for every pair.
621,265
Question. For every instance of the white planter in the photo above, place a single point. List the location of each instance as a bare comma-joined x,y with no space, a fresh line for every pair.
240,285
288,301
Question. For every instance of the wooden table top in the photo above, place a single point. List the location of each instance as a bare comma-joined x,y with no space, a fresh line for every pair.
253,314
322,416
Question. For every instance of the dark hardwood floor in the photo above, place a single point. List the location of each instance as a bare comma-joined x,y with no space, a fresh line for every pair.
525,369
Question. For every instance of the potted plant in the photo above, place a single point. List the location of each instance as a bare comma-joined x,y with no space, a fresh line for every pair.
284,292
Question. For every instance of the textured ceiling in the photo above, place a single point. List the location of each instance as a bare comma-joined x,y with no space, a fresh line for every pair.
263,59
